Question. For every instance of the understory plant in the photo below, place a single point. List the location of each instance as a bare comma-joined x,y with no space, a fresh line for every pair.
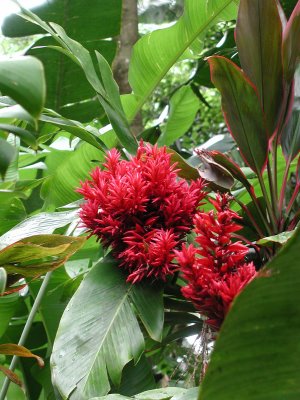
140,247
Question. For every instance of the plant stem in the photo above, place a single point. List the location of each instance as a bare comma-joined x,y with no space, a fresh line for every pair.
284,183
268,204
293,198
26,330
273,187
251,217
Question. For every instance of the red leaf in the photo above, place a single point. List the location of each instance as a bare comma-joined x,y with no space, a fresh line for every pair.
242,111
259,39
291,44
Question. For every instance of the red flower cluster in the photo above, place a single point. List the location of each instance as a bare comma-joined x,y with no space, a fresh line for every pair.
142,209
215,271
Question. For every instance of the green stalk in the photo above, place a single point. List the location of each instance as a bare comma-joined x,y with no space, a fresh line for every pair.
257,205
26,331
273,187
268,204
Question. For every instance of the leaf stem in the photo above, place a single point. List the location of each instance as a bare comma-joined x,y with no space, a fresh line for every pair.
273,184
251,217
293,198
268,204
284,183
26,330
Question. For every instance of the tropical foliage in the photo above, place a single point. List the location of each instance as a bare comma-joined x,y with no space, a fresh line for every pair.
115,248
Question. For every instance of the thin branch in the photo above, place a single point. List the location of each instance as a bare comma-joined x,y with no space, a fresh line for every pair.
26,330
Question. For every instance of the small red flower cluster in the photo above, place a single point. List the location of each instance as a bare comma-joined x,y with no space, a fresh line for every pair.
142,209
215,271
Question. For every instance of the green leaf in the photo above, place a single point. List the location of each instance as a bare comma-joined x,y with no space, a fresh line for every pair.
160,394
72,101
291,44
87,134
186,170
23,134
136,378
7,154
259,39
82,57
14,112
148,300
8,306
40,224
281,238
91,26
3,279
97,336
258,340
184,105
166,46
36,255
242,111
113,106
23,80
59,189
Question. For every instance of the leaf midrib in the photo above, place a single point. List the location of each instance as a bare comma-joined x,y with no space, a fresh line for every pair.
106,334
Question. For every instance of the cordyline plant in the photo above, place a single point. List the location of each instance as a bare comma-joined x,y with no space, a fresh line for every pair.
258,106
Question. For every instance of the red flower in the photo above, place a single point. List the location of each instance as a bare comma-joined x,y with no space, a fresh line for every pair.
215,271
142,209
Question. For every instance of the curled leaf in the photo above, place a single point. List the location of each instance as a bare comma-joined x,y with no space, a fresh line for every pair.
214,172
10,349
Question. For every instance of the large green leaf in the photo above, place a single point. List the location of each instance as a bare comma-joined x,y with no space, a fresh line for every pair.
8,307
148,300
88,134
91,26
184,105
97,336
22,79
71,168
242,111
72,101
259,39
136,378
36,255
155,53
7,154
39,224
105,87
12,212
257,354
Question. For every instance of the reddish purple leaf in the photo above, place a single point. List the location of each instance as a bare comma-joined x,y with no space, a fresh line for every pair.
242,111
291,44
259,39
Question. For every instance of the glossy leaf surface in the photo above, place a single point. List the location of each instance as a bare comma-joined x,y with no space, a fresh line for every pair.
259,38
291,44
242,111
83,360
36,255
23,80
184,105
144,74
